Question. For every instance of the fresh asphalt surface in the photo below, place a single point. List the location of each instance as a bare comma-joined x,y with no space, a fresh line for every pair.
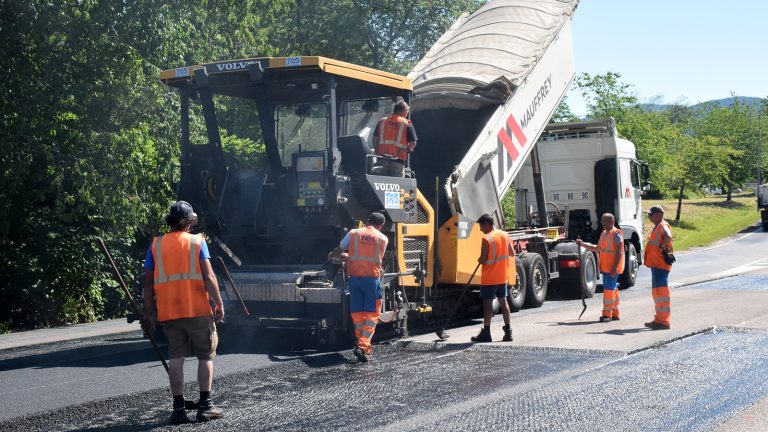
696,383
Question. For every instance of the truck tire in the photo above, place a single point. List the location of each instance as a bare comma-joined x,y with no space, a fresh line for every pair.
569,282
536,279
590,275
629,276
765,225
516,294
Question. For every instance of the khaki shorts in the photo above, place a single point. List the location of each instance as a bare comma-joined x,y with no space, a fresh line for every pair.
198,332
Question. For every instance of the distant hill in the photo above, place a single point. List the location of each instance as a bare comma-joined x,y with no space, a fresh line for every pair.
751,101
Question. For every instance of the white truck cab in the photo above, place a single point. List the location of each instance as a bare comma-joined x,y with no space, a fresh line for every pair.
587,170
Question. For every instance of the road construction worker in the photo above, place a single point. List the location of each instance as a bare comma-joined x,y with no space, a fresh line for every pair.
363,249
395,136
495,254
611,250
658,251
178,284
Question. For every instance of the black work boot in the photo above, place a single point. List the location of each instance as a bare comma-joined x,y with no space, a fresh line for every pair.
207,411
507,334
361,356
179,416
483,336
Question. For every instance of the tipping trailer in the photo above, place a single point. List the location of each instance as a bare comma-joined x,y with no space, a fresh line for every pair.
483,96
480,98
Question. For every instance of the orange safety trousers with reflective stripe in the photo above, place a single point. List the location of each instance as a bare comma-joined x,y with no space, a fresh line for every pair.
393,136
365,326
610,242
178,281
366,250
611,303
495,266
662,302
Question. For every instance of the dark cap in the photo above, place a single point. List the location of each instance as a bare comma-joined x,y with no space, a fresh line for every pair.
656,209
376,219
182,210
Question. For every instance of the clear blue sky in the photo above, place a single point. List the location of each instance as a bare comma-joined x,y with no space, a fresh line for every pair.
686,51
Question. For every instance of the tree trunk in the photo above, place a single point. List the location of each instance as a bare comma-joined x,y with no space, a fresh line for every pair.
729,191
679,203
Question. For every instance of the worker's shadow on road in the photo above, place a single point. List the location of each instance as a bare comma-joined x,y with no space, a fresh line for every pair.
571,323
622,332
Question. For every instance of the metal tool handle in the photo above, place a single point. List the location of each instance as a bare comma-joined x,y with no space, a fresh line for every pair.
458,302
119,279
234,286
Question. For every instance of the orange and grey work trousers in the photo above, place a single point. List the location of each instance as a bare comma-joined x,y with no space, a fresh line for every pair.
365,305
610,296
661,298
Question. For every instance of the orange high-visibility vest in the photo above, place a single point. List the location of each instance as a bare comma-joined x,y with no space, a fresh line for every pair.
653,256
608,245
179,288
495,268
393,136
366,250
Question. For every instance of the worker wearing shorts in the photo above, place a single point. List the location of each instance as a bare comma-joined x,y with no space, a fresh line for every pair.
496,254
179,284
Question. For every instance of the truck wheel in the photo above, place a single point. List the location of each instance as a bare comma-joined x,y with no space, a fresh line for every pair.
516,295
628,278
590,276
536,280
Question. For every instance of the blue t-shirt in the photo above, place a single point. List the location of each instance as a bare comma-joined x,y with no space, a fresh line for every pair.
149,261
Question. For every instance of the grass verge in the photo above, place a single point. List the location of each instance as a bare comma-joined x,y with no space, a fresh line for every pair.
705,220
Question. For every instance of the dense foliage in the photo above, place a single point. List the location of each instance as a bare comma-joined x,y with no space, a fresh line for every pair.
89,136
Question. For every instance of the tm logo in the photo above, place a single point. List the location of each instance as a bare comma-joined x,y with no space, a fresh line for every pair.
391,200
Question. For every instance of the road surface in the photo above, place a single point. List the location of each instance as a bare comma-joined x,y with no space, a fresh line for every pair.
560,373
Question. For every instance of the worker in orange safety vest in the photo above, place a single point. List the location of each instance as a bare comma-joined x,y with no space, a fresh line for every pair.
363,249
610,247
658,248
178,284
497,258
395,136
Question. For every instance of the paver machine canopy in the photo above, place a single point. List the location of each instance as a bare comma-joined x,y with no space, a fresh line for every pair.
316,116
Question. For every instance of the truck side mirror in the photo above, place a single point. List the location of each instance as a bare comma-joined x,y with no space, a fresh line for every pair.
646,186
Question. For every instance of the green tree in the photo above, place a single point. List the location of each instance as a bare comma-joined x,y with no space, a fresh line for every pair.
606,95
89,136
735,125
563,113
695,162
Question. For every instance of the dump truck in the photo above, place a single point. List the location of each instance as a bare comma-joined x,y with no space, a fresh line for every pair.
762,204
479,100
587,170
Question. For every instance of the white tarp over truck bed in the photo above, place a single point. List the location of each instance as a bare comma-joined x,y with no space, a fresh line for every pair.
483,94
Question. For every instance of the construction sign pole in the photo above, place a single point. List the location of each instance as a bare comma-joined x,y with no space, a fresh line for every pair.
119,279
441,333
